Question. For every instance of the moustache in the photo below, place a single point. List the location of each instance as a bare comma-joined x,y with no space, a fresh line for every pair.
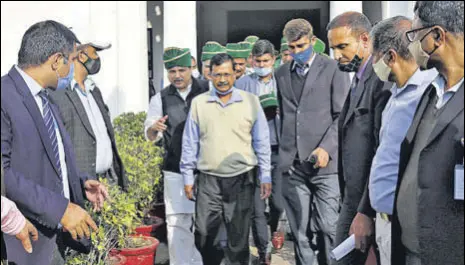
224,83
179,80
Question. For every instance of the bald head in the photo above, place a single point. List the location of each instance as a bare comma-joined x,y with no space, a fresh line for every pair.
357,22
391,34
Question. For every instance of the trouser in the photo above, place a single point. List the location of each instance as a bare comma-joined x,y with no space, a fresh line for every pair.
259,220
383,239
346,217
224,200
181,241
58,254
298,192
412,258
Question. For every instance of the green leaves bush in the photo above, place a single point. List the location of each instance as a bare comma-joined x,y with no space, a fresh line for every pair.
124,212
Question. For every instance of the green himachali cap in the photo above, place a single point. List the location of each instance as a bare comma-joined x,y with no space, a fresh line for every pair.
174,56
251,39
284,45
319,46
268,100
211,49
239,50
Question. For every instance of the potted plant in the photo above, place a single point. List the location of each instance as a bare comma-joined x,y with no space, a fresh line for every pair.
126,210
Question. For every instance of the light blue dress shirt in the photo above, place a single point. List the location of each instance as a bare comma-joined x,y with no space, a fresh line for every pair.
396,120
260,142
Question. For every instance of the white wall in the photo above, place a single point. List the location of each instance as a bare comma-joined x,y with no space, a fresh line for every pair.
123,77
398,8
180,26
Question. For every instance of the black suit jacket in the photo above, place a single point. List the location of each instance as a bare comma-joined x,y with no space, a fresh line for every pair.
311,122
77,124
359,128
440,217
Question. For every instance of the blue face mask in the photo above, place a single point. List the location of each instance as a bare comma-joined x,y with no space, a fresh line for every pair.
262,71
63,82
303,57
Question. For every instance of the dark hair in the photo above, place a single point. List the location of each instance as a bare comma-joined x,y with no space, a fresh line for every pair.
297,28
447,14
44,39
263,47
356,21
390,34
220,59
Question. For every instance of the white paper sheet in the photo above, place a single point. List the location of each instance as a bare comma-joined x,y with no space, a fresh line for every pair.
344,248
459,184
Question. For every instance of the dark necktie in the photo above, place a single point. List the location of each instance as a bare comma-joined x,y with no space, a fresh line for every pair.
353,89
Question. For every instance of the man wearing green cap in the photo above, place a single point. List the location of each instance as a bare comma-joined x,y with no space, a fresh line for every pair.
239,52
285,53
262,83
210,49
165,119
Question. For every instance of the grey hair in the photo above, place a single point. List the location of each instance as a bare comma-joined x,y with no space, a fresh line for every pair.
357,22
297,28
263,47
447,14
44,39
390,34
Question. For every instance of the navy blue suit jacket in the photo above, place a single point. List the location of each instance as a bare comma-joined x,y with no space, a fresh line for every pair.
31,178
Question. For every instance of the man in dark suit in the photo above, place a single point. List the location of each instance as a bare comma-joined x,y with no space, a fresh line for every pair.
41,176
311,92
359,126
87,119
428,220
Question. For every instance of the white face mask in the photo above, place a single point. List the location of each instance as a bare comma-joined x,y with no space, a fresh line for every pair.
421,57
382,70
195,73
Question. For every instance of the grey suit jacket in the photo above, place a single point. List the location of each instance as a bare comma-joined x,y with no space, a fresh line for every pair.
77,124
311,122
359,127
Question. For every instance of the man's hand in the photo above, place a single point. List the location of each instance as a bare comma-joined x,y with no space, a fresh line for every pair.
189,189
265,190
363,229
77,222
23,236
323,157
96,193
160,125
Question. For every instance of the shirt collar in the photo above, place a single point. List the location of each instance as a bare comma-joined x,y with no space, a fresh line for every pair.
257,78
415,80
88,83
236,96
362,69
440,83
32,84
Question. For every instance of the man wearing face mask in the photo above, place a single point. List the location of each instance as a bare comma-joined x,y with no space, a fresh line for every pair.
87,119
359,126
195,70
239,52
262,83
393,62
41,175
165,119
250,39
428,220
226,139
311,91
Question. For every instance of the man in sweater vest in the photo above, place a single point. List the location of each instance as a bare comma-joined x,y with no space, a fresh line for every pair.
165,119
226,139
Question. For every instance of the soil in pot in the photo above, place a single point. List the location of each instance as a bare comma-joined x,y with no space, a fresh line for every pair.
140,250
116,260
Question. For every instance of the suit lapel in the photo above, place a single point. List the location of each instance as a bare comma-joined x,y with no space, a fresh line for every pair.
287,80
101,105
81,111
427,97
450,111
359,90
313,73
35,113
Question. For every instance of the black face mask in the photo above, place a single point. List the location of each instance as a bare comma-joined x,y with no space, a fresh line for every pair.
92,65
353,66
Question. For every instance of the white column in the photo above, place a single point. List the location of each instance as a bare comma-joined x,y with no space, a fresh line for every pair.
180,26
398,8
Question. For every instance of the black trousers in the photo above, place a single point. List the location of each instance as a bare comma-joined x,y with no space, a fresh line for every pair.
260,220
224,201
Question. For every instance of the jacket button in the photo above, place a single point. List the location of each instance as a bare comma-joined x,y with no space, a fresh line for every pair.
93,142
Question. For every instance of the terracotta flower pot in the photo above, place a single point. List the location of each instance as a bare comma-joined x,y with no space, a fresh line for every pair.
152,225
144,255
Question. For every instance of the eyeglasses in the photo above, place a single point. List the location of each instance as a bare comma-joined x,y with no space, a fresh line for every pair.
412,34
221,75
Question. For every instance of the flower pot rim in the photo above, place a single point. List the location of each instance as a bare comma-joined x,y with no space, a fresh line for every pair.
141,250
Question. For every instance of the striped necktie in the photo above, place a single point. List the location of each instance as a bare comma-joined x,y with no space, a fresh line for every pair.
50,125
